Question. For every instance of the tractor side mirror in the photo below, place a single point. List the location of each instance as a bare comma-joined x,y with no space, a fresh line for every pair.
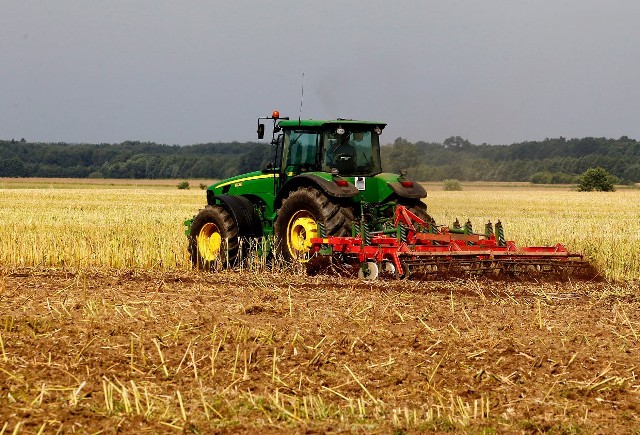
260,131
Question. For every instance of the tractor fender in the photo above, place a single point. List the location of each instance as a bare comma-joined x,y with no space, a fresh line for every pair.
327,186
243,213
414,192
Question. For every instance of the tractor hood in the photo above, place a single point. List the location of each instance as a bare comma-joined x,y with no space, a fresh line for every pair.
258,186
238,181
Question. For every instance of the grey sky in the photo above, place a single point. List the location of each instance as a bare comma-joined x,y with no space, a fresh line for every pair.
183,72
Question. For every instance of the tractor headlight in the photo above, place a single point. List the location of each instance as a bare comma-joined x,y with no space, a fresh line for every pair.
378,131
340,130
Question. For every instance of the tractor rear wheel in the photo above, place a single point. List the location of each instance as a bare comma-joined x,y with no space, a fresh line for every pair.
213,239
300,217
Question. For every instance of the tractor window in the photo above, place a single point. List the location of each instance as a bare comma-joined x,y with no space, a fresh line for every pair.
352,153
302,149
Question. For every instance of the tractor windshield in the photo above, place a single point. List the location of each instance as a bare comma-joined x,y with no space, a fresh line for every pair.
352,153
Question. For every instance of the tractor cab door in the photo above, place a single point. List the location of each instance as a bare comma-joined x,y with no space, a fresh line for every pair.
301,153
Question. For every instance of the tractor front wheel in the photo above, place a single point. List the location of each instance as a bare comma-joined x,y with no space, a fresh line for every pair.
213,239
300,217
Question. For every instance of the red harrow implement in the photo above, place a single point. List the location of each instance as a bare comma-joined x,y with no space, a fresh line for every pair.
409,245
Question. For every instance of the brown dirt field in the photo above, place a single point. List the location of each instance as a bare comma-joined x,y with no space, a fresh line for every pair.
144,351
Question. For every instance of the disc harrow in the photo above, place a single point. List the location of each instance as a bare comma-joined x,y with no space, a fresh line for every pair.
408,245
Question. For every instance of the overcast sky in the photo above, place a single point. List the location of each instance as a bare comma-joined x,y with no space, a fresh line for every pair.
184,72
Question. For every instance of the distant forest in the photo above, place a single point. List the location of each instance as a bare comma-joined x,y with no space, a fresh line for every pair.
549,161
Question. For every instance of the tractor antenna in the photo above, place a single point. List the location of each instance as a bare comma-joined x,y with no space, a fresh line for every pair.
301,99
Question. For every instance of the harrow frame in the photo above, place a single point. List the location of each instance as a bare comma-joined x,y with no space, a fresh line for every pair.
409,243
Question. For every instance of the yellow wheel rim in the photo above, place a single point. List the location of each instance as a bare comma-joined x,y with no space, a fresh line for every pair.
301,229
209,242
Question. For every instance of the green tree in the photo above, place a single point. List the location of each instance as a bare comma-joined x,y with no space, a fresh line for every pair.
403,155
596,179
12,167
456,142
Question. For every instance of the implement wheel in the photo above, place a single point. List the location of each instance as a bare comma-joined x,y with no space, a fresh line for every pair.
368,271
300,217
213,242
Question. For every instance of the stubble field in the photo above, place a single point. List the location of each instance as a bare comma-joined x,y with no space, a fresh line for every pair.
104,327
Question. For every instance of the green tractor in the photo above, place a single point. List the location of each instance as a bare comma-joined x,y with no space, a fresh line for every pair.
326,179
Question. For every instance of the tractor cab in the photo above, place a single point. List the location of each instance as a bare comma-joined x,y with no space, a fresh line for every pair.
351,151
341,147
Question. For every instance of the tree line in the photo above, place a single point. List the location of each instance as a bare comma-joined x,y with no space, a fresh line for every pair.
556,160
131,159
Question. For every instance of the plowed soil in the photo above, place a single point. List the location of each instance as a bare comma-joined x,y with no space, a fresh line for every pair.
135,351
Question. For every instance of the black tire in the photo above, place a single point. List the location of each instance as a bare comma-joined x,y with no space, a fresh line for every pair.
213,239
300,216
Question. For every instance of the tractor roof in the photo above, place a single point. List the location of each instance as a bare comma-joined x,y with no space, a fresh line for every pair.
318,123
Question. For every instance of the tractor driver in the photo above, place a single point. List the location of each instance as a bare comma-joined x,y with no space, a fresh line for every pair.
340,153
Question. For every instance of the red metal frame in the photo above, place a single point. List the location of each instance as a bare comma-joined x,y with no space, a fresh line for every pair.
442,245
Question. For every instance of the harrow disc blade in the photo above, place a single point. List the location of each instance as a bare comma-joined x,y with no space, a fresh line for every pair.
525,267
